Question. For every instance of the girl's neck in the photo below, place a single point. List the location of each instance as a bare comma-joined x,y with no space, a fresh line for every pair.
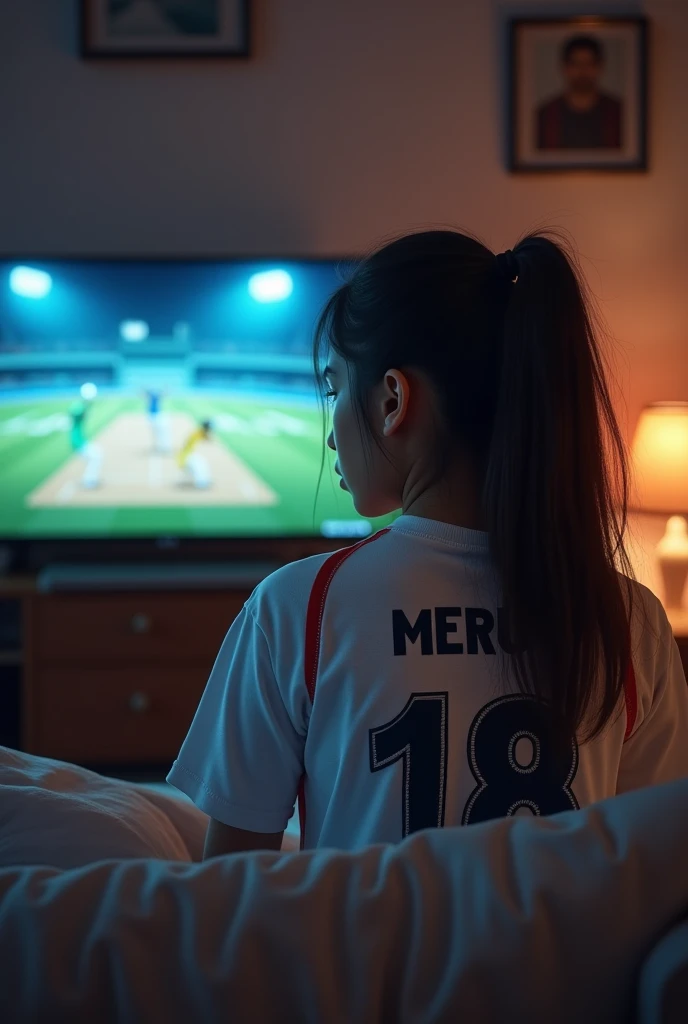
459,505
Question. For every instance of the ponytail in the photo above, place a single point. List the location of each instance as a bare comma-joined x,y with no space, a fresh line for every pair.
555,496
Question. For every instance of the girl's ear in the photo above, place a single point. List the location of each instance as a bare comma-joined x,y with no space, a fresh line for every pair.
394,401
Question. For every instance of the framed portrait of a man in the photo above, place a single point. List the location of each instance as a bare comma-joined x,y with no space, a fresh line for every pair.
164,28
578,94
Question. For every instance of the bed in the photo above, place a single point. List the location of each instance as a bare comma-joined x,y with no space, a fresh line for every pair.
107,915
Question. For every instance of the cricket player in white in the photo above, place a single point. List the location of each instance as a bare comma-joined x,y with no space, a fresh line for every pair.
482,657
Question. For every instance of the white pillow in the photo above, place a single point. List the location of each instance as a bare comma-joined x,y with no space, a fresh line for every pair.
64,816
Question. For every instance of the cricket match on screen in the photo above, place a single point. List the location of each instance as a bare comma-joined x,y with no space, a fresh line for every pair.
165,398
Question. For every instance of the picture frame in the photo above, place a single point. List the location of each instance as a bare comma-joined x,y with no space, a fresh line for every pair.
577,94
165,29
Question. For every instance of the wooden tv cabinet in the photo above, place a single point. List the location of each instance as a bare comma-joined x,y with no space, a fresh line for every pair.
107,678
118,677
113,678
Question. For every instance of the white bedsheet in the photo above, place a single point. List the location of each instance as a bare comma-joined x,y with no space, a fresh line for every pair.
64,816
525,919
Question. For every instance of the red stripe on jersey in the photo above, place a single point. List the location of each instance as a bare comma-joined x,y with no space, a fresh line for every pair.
314,617
631,698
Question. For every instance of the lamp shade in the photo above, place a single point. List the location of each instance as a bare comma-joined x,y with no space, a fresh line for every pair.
660,459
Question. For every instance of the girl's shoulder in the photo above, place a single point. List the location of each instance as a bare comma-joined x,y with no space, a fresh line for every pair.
291,587
286,598
647,614
288,587
652,639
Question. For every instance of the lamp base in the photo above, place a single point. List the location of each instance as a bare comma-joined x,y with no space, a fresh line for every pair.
672,554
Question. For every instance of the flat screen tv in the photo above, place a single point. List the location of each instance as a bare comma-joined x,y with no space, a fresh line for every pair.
164,398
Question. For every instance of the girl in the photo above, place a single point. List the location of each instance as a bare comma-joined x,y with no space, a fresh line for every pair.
482,657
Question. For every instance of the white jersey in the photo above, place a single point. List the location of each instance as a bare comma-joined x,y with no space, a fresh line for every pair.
370,680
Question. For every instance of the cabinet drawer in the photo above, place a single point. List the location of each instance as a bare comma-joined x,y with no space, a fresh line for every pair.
103,629
115,715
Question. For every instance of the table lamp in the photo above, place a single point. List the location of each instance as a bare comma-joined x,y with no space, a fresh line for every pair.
660,464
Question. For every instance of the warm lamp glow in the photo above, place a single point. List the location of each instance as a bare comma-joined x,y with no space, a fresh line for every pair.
660,459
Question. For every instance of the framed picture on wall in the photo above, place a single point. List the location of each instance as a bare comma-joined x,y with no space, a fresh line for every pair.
578,94
164,28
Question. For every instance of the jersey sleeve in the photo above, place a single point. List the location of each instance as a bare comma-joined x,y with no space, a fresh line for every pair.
242,759
657,750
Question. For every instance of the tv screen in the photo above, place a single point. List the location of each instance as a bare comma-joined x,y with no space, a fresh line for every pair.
143,398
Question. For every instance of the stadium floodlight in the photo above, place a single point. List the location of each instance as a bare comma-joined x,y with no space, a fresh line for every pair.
270,286
134,330
30,283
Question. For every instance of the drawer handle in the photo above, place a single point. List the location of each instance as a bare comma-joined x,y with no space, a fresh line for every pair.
139,702
140,623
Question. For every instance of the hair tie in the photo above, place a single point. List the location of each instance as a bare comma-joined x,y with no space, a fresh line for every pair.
507,265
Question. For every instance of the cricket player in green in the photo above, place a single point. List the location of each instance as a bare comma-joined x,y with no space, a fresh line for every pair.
90,452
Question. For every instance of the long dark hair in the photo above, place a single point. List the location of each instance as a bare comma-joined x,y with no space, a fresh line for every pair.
519,373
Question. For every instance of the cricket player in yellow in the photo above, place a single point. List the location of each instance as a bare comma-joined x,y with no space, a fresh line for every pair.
191,462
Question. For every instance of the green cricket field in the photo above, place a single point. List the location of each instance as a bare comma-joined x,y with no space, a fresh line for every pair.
262,459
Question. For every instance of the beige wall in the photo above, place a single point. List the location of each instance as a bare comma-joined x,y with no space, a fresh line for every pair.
352,120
